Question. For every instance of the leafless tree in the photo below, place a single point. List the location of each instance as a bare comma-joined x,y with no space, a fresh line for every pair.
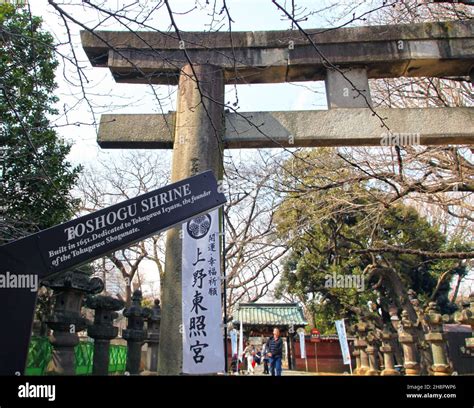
438,181
253,251
106,184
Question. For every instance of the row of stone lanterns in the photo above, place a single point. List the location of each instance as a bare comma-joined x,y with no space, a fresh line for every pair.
370,341
466,316
74,289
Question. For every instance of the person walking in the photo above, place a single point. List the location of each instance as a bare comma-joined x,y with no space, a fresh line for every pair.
275,352
249,354
265,358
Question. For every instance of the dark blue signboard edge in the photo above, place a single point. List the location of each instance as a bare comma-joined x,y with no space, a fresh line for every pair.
17,307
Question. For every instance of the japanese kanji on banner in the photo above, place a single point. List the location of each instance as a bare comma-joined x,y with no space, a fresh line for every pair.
203,343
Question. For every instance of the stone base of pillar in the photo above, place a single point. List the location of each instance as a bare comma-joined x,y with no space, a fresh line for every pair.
387,350
63,357
363,370
389,372
62,362
437,341
412,369
152,358
100,365
356,355
441,370
134,354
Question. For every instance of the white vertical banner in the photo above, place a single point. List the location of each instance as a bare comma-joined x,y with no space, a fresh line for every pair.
302,345
233,341
203,344
241,337
341,333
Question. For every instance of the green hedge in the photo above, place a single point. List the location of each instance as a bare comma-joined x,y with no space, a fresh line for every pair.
40,354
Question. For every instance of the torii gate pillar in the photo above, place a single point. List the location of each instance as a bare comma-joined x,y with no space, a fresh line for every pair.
199,129
440,49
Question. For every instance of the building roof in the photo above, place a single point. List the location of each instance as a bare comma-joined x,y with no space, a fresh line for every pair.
270,314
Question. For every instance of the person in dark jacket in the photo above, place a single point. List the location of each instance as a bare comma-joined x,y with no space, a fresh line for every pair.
265,357
275,352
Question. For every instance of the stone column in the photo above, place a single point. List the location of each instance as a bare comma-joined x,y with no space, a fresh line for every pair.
103,329
66,320
197,147
360,344
424,355
341,93
372,353
407,339
387,350
356,354
466,316
437,341
135,334
394,320
153,339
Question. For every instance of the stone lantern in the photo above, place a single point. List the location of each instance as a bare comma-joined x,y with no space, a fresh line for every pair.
360,345
394,319
135,334
153,339
387,338
435,337
103,329
407,338
66,320
372,351
466,316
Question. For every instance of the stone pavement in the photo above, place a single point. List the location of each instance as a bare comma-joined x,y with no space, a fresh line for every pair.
288,373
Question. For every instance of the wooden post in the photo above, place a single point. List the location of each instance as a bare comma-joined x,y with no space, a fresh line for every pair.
316,356
293,352
288,346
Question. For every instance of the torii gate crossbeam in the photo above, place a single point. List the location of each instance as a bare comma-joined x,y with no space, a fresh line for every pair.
202,63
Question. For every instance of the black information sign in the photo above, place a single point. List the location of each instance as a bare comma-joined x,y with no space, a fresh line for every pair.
23,263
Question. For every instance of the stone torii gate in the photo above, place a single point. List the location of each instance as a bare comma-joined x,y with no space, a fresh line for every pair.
202,63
